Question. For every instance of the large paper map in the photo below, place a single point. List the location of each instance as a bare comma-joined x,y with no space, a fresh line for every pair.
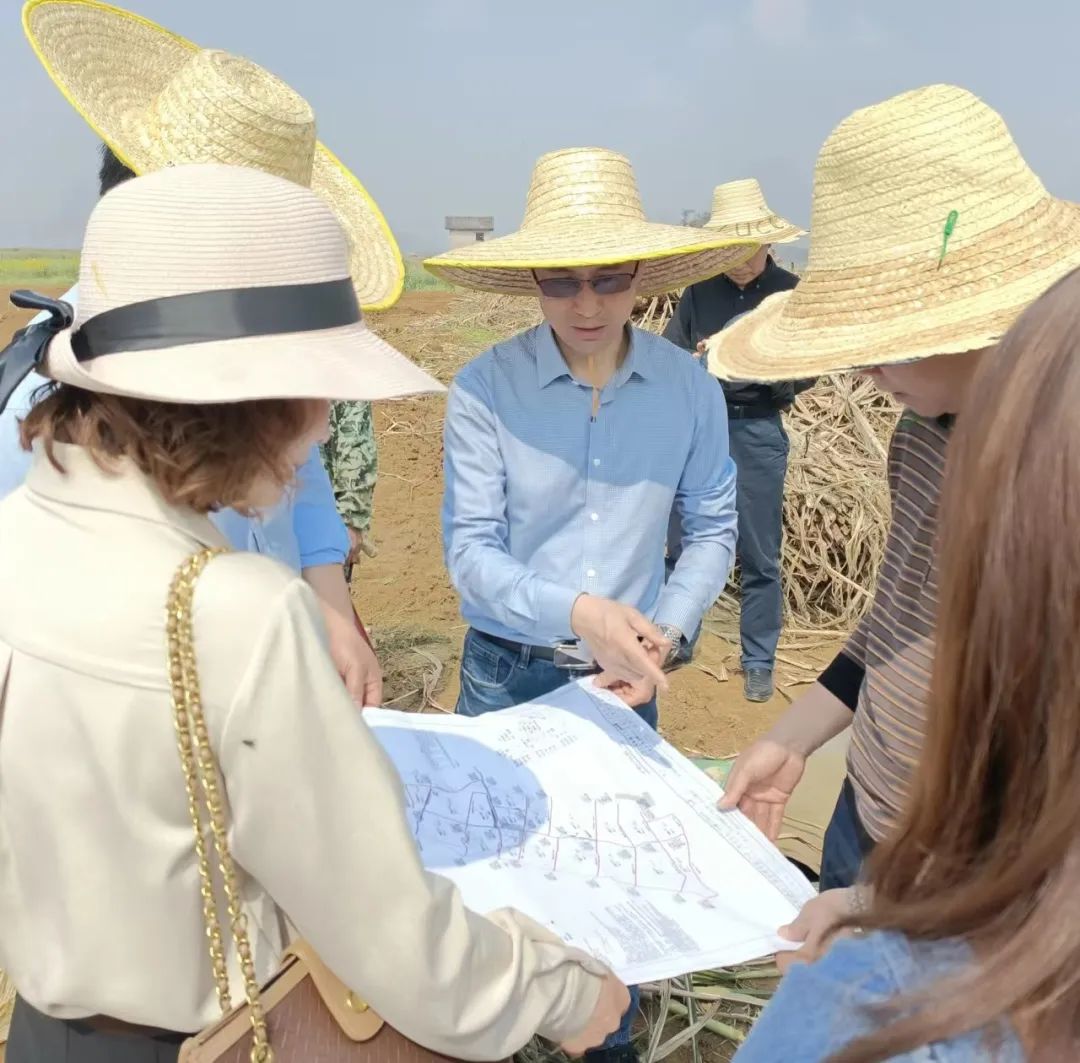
576,813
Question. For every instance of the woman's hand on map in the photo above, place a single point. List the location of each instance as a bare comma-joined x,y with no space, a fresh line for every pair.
620,639
611,1006
816,925
761,782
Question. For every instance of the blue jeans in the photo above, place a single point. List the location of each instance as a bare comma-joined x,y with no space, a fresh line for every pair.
846,845
494,677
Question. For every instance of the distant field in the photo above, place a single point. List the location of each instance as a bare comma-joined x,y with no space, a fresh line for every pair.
32,265
29,265
417,279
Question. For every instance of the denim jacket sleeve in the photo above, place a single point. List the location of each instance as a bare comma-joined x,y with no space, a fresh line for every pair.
821,1007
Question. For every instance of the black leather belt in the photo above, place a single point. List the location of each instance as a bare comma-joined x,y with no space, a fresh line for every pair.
550,654
750,413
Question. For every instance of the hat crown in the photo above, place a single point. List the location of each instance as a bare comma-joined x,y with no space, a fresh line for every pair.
205,227
889,176
219,107
739,201
582,183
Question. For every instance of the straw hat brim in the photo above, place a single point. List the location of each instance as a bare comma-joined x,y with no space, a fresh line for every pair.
770,230
110,64
903,309
671,256
345,363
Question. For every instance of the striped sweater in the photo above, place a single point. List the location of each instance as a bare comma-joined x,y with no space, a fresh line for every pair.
883,673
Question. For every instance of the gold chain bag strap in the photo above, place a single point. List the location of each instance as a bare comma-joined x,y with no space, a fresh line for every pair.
304,1012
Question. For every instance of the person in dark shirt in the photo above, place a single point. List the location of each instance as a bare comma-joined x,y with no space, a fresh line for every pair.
759,444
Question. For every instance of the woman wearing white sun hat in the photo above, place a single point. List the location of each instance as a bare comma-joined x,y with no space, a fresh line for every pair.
216,320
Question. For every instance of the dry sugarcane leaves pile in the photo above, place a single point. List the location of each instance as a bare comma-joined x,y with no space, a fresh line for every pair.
836,500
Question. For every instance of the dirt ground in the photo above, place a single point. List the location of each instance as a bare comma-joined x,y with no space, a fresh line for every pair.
404,593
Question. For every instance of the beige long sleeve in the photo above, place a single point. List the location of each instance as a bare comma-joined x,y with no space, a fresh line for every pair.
319,821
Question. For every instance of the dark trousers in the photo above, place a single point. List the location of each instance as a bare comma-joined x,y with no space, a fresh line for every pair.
759,448
847,844
37,1038
494,677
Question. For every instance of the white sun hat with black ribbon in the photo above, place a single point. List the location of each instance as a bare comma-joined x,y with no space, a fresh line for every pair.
212,284
157,100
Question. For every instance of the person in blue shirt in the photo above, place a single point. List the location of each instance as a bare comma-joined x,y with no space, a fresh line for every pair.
567,447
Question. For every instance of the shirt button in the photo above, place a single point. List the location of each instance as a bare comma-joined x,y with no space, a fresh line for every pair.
596,462
594,516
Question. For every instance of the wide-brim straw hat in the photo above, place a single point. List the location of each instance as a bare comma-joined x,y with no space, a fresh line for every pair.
584,209
157,99
929,235
250,252
739,209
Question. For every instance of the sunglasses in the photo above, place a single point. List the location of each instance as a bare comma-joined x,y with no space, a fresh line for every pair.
569,287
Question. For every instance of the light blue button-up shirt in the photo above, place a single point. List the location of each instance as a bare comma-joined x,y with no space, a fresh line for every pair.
303,531
543,502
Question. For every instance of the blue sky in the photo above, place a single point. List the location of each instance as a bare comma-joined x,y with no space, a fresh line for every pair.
442,106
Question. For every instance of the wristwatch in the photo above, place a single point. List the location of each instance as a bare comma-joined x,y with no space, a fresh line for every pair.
675,637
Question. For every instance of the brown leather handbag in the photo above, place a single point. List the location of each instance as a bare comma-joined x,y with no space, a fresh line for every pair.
304,1012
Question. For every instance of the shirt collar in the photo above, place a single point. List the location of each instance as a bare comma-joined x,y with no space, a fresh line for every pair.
122,489
550,364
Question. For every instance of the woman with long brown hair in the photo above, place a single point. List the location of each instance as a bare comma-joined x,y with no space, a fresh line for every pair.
970,946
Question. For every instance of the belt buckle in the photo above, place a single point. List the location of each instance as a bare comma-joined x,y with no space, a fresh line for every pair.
567,657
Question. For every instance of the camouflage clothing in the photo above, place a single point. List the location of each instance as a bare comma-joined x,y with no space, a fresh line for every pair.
352,460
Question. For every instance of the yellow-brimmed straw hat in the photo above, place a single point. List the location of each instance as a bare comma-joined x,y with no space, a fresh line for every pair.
929,235
212,284
583,209
158,100
739,209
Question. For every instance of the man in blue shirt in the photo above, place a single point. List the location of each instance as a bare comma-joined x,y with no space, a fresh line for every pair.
568,446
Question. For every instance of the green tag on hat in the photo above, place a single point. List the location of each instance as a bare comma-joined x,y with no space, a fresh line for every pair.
950,224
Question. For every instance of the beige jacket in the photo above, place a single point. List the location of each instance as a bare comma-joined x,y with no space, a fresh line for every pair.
99,892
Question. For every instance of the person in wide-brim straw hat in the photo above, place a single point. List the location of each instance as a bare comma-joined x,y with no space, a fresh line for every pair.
157,99
584,209
929,235
759,443
739,210
217,320
568,446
